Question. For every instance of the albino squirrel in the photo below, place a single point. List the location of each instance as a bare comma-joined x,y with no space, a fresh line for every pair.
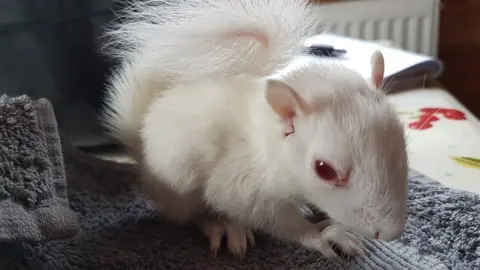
230,133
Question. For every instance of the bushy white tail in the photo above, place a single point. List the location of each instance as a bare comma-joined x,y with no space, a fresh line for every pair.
161,42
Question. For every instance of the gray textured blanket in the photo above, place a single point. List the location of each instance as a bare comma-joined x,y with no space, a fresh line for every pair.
121,230
33,201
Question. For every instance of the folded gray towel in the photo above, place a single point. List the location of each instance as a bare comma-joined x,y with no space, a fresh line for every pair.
122,230
33,201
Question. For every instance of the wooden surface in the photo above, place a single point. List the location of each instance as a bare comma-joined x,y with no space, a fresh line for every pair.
459,48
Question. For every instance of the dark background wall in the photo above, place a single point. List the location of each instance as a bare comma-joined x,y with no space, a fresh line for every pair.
50,48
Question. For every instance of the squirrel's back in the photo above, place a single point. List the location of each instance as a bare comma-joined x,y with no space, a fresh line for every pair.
161,42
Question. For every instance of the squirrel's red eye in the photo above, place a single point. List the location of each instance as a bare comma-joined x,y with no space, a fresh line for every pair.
325,171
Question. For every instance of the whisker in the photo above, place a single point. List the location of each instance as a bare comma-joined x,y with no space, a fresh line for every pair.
430,117
424,81
389,86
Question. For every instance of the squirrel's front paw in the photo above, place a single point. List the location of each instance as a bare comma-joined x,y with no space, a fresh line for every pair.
334,242
238,236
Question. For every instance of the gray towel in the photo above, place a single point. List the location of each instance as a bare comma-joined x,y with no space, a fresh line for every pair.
121,230
33,201
444,222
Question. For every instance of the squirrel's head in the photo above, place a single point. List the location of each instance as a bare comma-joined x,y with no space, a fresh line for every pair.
343,145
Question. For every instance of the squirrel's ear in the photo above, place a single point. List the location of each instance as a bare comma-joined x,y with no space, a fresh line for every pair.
378,69
285,101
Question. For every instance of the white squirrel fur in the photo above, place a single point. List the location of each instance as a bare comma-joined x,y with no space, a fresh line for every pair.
192,103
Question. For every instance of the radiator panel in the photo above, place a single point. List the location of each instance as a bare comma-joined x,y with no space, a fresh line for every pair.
411,24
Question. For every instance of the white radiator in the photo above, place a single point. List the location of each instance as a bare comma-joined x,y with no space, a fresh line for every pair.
409,24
